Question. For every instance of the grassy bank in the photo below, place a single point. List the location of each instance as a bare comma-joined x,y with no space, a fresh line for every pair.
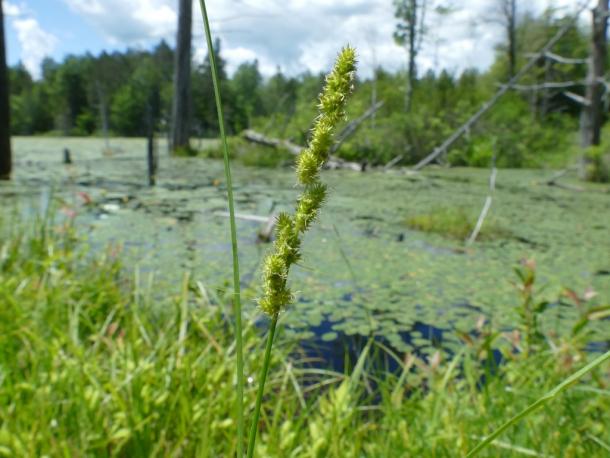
88,369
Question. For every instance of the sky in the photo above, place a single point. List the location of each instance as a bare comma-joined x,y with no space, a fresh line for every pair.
294,35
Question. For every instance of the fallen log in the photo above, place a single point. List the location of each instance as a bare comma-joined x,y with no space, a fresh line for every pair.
333,163
554,180
260,139
265,233
393,162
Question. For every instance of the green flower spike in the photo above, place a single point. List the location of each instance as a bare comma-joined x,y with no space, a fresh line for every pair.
286,249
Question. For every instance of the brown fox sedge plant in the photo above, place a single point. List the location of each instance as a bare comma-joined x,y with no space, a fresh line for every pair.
286,249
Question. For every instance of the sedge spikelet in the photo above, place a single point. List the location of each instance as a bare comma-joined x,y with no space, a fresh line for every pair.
286,249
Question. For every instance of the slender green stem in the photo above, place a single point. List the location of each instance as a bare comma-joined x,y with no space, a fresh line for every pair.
236,277
261,387
540,402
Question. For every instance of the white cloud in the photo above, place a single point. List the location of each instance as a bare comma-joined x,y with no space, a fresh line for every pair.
35,42
10,8
300,35
130,22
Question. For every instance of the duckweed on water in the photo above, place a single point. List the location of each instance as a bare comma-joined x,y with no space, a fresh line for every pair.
413,276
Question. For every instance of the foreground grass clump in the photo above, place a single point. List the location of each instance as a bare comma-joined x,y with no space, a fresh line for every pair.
92,365
455,223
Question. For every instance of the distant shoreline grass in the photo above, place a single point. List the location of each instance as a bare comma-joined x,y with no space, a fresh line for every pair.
455,223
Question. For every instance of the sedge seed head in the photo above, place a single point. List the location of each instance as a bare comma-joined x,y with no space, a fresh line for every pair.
286,249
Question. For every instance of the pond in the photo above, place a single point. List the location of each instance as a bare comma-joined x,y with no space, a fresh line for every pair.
364,271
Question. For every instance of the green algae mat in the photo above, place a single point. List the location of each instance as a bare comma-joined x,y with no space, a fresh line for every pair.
364,270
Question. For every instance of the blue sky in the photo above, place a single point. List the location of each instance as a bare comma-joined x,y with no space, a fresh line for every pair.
296,35
71,34
37,28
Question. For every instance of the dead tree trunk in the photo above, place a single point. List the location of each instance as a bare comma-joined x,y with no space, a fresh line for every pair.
103,114
332,163
411,72
510,10
182,78
151,160
592,112
5,113
409,32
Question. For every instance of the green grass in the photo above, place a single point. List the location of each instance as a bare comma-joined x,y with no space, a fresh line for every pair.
94,362
455,223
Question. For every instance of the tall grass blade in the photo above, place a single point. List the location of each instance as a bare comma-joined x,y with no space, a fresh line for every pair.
540,402
599,442
236,276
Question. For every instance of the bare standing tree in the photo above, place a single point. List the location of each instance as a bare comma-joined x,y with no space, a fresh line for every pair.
504,14
181,109
409,33
592,112
5,121
509,13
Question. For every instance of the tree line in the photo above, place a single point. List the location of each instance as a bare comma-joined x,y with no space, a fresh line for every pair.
124,93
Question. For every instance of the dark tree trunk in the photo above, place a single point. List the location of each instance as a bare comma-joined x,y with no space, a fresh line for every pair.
511,27
412,70
592,113
151,121
103,114
5,120
181,109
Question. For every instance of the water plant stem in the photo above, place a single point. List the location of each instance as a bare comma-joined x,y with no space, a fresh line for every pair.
261,386
541,401
236,276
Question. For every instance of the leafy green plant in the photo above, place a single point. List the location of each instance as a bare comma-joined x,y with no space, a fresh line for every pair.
531,306
597,165
250,154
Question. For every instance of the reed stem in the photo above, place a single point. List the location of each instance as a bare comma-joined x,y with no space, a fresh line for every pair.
236,276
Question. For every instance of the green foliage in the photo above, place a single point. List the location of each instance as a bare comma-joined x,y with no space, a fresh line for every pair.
249,154
246,85
264,156
188,151
127,111
531,307
597,164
